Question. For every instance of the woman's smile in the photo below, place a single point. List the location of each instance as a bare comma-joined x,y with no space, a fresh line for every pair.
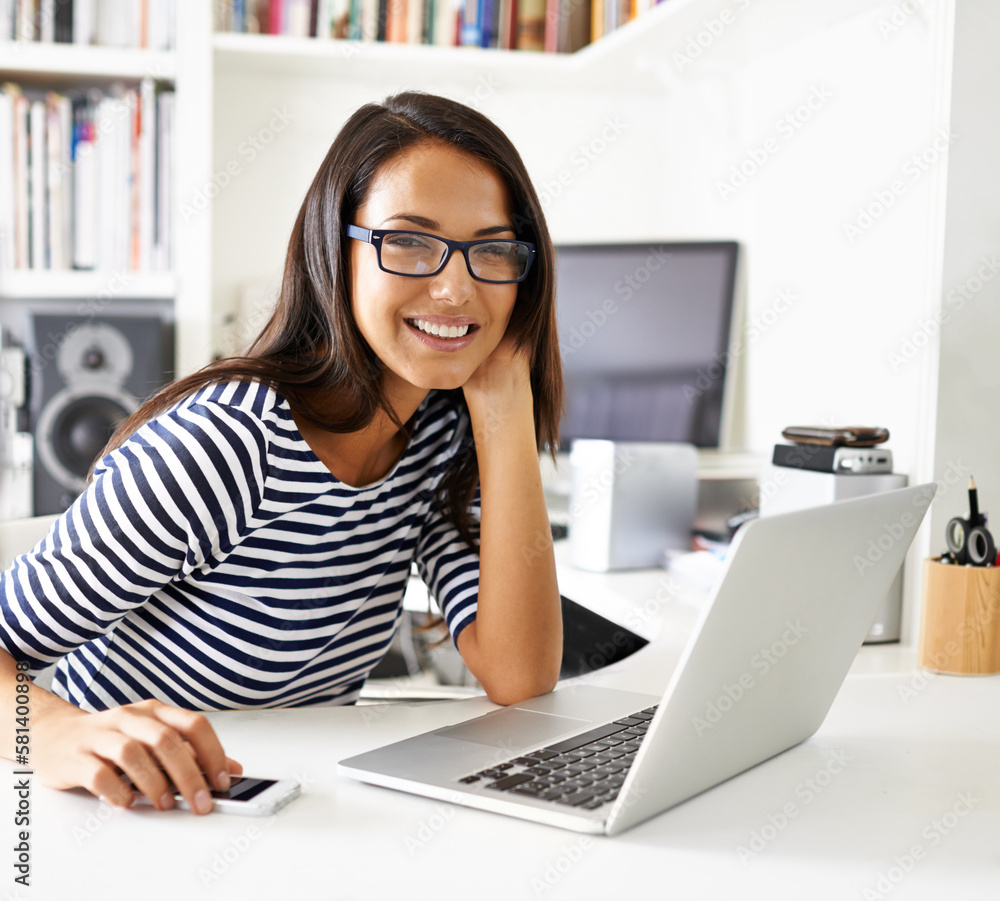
445,333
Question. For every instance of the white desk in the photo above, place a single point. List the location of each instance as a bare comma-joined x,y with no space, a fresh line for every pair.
904,764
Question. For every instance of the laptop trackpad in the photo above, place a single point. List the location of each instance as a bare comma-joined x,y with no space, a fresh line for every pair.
513,727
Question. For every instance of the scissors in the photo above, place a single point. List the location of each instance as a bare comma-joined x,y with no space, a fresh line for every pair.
969,541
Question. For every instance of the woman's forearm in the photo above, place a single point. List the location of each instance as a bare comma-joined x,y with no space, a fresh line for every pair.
24,705
515,648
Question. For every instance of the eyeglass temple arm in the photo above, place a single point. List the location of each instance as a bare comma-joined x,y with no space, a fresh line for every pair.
356,231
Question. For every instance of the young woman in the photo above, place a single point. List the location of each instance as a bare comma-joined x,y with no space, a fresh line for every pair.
246,539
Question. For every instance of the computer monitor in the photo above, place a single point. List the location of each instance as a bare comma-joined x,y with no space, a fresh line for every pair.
644,332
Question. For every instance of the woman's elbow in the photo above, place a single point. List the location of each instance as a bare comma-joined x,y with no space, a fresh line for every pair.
514,690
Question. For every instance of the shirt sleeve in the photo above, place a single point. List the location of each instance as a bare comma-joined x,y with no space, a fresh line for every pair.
450,568
174,496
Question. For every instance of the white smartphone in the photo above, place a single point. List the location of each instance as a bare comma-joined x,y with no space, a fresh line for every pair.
247,796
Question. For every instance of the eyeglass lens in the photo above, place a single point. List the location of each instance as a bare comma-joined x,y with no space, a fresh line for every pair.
495,261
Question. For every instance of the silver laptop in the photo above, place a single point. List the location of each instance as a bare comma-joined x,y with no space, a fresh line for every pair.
758,675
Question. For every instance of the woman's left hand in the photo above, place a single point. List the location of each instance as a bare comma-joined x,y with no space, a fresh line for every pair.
501,384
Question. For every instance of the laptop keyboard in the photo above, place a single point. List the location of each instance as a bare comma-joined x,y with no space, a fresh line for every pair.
584,771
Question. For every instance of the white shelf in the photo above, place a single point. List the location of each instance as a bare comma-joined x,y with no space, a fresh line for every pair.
75,63
27,284
312,56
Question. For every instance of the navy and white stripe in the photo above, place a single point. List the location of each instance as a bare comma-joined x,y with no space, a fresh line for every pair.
216,563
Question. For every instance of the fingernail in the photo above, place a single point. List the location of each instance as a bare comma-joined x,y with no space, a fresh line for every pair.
166,802
202,802
222,781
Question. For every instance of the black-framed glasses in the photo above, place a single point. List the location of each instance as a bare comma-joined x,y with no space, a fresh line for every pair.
419,255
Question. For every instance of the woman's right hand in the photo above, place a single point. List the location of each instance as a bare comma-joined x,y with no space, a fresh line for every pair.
145,743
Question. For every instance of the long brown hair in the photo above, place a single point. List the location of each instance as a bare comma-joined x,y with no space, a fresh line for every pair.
311,350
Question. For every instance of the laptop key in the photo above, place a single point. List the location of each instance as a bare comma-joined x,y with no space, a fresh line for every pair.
542,755
577,799
629,721
469,779
529,788
561,759
586,738
509,782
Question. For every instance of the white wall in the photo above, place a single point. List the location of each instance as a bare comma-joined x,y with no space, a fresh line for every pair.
660,135
968,391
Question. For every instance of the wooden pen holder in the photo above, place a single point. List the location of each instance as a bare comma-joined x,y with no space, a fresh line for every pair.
960,619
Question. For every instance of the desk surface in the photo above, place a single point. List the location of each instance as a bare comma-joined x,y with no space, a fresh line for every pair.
897,795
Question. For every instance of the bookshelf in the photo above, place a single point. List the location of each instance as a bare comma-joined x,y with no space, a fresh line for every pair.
68,67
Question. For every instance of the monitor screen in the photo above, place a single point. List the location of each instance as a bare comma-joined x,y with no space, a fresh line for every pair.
643,332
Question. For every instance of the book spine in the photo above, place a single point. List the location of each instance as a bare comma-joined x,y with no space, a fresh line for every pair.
37,187
85,225
472,29
55,183
531,25
7,191
64,22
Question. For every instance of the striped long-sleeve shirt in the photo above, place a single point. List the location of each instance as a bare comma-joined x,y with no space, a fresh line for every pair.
214,562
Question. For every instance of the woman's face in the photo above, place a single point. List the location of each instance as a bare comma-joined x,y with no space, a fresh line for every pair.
435,189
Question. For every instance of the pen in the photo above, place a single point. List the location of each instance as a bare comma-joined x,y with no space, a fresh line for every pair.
974,518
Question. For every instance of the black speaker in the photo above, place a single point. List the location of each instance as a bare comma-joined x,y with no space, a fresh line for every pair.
88,373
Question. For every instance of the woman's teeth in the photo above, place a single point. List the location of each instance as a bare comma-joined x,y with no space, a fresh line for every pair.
440,331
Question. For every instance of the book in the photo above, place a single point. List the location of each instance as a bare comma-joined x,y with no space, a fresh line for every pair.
531,24
22,254
567,25
85,205
38,258
146,193
396,15
7,198
472,26
508,25
64,22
